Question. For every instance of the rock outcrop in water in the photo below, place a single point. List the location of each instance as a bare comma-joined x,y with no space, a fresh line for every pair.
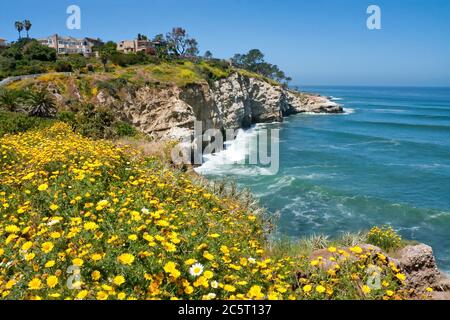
231,103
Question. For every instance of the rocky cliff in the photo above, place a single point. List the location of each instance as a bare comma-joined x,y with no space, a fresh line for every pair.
234,102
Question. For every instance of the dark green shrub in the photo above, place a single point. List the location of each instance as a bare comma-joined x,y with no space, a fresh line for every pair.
68,117
41,104
124,129
63,66
95,122
12,123
77,61
10,100
36,51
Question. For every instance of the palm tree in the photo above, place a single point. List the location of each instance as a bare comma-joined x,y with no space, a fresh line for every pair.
19,27
27,24
10,99
41,104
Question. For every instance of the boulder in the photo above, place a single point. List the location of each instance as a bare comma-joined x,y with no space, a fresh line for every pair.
419,266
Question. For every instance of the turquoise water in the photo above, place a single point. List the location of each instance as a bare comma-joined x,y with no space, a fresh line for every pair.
387,161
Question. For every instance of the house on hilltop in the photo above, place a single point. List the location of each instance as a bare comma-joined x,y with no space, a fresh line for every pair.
70,45
3,43
137,45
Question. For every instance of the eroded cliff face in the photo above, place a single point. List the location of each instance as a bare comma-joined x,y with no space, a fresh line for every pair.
231,103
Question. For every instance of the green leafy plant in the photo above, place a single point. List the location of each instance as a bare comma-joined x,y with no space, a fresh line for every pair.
10,99
14,122
63,66
41,104
124,129
384,237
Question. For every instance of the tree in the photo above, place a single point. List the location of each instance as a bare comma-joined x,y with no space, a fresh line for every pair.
180,44
251,61
27,24
254,62
208,55
41,104
142,37
19,27
192,48
161,47
63,66
33,50
106,52
10,99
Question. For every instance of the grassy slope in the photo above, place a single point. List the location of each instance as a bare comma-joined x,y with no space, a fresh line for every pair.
135,227
180,73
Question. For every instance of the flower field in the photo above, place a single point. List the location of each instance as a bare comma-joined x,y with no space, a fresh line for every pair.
85,219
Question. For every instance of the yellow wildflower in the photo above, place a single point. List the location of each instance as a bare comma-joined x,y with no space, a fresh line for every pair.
118,280
126,258
52,281
35,284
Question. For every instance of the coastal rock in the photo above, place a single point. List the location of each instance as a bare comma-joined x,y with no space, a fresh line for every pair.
243,101
419,265
169,113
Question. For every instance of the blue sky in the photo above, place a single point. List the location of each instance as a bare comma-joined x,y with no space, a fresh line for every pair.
321,42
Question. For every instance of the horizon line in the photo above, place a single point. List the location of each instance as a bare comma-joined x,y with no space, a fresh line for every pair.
373,86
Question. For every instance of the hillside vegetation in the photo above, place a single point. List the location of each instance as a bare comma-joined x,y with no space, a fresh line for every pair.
77,98
88,219
179,72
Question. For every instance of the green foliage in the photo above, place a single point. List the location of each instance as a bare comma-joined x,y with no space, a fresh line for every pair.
350,239
67,117
63,66
215,69
384,237
180,72
85,87
27,25
208,55
112,86
129,59
26,56
10,99
253,61
106,51
77,62
97,123
41,104
36,51
19,27
124,129
12,123
179,43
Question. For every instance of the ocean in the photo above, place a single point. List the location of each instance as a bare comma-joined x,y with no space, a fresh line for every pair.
385,161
